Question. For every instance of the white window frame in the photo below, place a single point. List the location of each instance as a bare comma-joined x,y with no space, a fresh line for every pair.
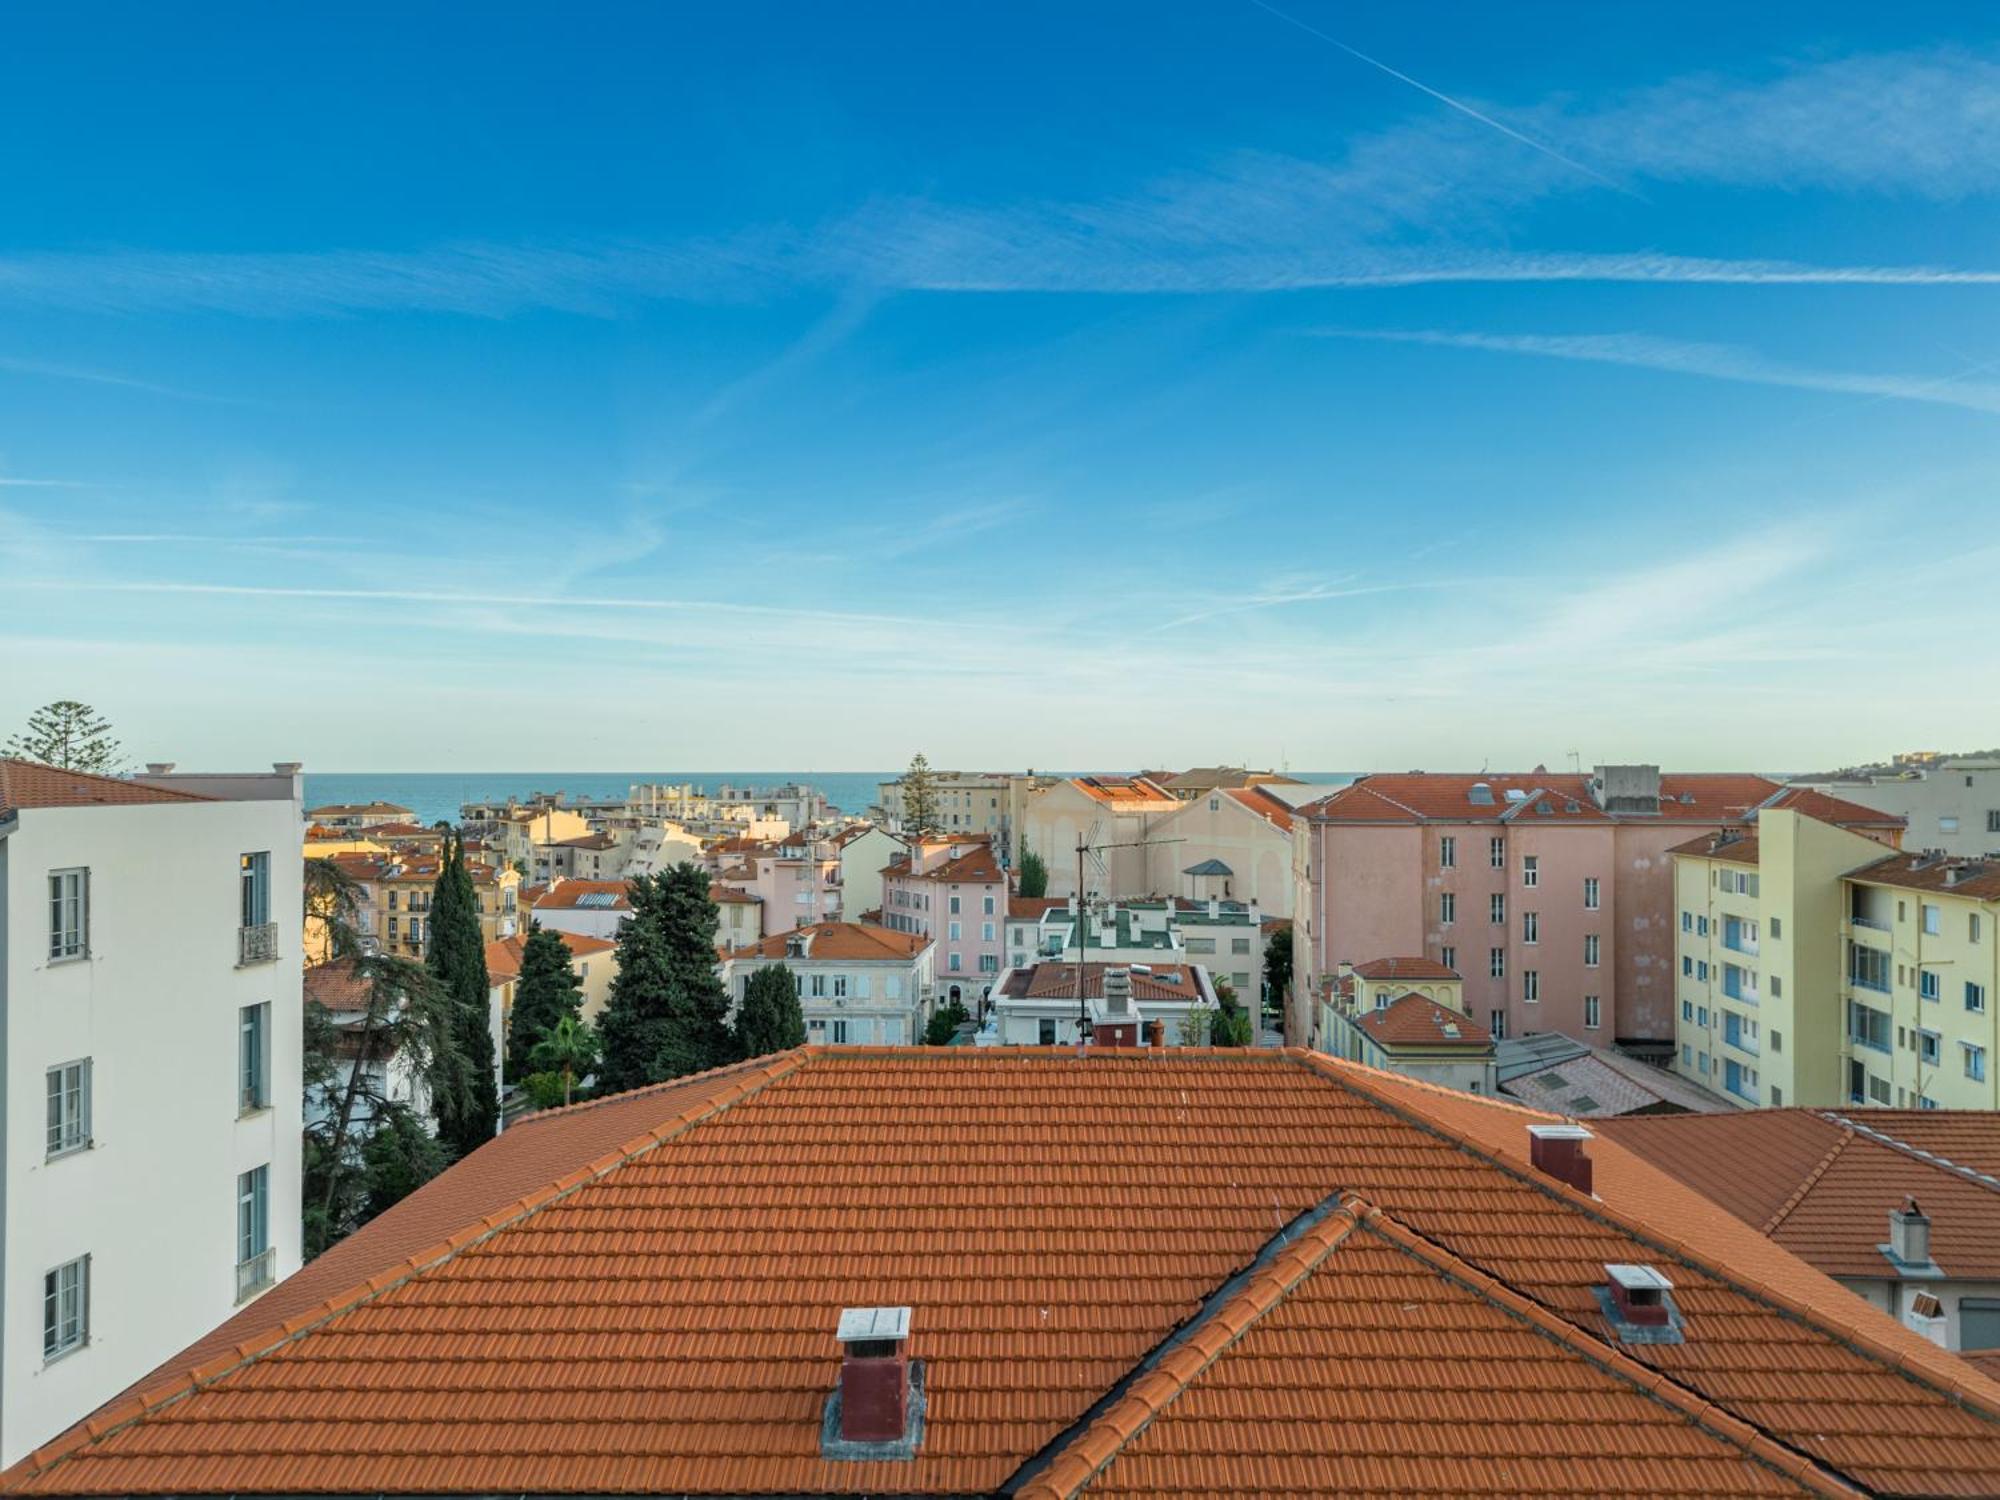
1531,986
1531,870
67,1092
1592,949
1591,893
69,914
253,1058
65,1309
1531,927
1593,1012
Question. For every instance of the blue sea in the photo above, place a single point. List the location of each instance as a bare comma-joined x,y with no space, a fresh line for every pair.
438,795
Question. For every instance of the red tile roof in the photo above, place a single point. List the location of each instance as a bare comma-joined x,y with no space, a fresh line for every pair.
1257,800
976,866
27,783
1974,878
1057,981
503,956
1740,849
1033,908
1131,793
1441,796
729,893
337,985
1835,810
1822,1183
852,941
564,895
639,1296
1413,1021
1405,969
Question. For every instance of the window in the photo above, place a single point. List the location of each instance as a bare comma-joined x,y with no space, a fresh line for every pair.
1045,1032
1531,870
1531,985
66,1308
1531,927
1928,984
1687,1010
839,1032
1592,1012
1777,983
254,1258
1867,967
954,965
255,879
1447,909
1777,928
1975,1062
1777,1096
1496,962
1448,957
1878,1089
954,931
1687,1054
989,963
1933,920
1868,1027
1701,1015
1687,921
988,907
69,1107
1978,1321
1993,820
1497,1024
1975,997
1947,823
1496,853
1777,1041
1701,970
840,986
69,914
1928,1046
1239,945
954,906
985,932
1496,909
819,985
1972,927
1701,926
1590,950
1447,853
1687,966
1590,893
1382,999
253,1047
392,927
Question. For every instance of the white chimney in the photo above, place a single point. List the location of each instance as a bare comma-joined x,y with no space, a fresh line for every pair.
1910,1234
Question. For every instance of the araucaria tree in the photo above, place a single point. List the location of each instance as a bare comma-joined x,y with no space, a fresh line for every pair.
69,736
456,959
546,993
769,1018
668,1015
920,804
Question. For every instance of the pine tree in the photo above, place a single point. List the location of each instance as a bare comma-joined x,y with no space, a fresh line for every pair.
456,958
69,736
546,992
769,1019
920,805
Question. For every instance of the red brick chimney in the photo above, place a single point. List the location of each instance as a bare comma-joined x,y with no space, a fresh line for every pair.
874,1374
1557,1150
1640,1295
1118,1026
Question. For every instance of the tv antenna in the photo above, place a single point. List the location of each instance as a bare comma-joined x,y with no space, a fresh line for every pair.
1088,847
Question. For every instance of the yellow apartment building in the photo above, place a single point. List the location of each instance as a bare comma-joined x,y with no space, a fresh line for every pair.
1812,970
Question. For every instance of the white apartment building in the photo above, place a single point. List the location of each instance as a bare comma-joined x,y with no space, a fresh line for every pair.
857,983
1953,806
150,961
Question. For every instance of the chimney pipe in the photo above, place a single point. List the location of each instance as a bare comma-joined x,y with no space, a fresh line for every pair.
874,1374
1557,1151
159,768
1156,1033
1910,1234
1639,1293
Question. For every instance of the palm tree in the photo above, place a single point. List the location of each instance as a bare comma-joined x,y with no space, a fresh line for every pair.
570,1048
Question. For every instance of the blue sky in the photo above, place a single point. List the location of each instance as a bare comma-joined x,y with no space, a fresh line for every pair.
409,388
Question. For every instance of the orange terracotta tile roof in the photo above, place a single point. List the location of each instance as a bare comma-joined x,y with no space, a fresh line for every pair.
1057,981
1446,796
974,867
1405,969
853,941
567,894
1262,803
1822,1183
1974,878
729,893
639,1296
503,956
1413,1021
1741,849
27,783
1835,810
337,985
1128,793
1033,908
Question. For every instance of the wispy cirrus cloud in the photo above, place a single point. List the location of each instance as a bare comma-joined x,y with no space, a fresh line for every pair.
1713,361
1427,200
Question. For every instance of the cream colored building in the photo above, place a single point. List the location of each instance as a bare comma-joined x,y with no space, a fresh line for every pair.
593,960
1812,970
1245,830
1119,817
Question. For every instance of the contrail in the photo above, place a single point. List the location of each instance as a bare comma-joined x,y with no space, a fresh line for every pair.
1465,109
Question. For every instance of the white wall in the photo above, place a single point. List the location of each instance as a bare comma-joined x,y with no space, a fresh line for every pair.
155,1007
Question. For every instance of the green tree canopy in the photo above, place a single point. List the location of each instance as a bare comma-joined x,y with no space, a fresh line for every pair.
568,1051
456,958
1034,875
1231,1026
69,736
920,804
1278,966
944,1023
546,992
769,1018
399,1157
668,1014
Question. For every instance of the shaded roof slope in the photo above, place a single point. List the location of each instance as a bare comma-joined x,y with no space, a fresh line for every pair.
29,783
656,1315
1411,1020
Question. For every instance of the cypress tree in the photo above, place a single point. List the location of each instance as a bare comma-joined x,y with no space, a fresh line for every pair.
546,992
769,1019
456,958
632,1026
696,1034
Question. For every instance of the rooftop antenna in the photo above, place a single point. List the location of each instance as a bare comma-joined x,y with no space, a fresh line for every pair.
1088,847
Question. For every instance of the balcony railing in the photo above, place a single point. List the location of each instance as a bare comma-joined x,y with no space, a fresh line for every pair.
257,1272
1869,922
257,944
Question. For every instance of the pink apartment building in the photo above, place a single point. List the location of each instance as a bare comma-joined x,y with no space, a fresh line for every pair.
1551,895
953,891
796,884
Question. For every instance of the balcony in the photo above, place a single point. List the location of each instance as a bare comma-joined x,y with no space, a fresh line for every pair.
256,1273
257,944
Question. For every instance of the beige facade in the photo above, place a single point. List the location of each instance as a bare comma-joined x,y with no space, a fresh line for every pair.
1117,816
